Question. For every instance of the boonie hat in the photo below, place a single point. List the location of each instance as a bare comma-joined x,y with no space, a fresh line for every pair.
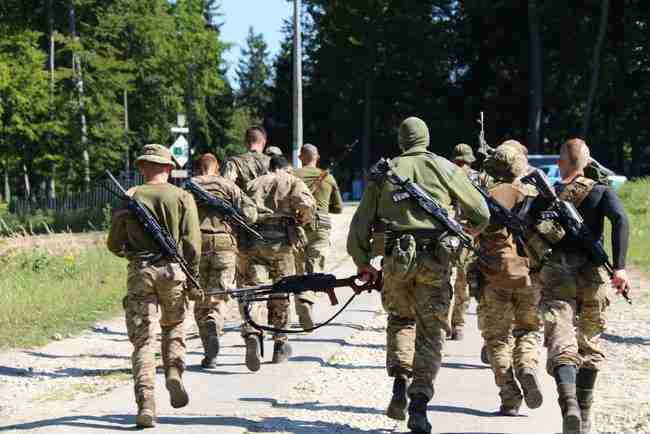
463,152
158,154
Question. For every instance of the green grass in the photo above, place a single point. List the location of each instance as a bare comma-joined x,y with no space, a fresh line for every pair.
43,294
636,197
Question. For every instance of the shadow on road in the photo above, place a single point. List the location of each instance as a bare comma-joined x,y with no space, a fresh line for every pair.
6,371
463,410
341,342
314,406
451,365
631,340
327,364
74,356
123,422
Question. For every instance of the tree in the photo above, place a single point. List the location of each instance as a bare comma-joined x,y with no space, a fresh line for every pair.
254,75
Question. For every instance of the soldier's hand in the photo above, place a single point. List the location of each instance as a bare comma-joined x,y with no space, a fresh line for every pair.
368,273
621,282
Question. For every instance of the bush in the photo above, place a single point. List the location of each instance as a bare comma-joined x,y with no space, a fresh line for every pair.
41,222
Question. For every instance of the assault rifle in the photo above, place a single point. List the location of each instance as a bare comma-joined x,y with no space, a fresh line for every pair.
571,221
167,244
222,206
484,149
429,205
283,288
502,216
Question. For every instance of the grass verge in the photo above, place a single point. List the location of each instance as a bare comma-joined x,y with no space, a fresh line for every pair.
636,198
43,294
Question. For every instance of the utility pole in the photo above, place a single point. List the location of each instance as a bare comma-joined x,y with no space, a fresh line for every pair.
297,81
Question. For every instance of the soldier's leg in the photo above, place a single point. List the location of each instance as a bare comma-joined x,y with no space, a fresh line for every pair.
558,278
282,264
461,302
397,299
251,272
498,311
526,329
315,258
172,301
592,322
140,306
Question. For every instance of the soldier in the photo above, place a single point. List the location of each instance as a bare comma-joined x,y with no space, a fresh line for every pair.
463,157
286,205
153,281
417,264
244,168
219,254
575,292
313,257
509,301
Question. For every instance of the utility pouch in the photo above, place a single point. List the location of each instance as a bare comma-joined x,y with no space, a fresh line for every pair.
402,257
538,250
173,274
297,236
448,249
550,230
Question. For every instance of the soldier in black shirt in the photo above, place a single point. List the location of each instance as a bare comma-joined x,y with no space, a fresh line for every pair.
575,291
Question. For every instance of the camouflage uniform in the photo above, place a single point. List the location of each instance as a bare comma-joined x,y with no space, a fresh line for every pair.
573,287
153,282
417,285
312,258
286,204
219,253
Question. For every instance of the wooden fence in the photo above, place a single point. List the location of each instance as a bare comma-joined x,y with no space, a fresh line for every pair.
98,197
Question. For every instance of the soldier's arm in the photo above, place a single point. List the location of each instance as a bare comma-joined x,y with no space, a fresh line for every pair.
229,171
302,202
244,204
613,209
472,204
336,201
190,232
117,236
358,244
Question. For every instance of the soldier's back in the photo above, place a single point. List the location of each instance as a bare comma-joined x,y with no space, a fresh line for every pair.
245,168
321,183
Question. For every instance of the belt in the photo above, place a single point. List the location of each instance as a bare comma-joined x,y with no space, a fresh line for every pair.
425,239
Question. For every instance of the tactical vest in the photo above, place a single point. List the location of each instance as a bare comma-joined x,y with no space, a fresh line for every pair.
577,191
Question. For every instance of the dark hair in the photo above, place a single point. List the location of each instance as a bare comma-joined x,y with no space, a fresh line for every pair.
278,162
255,134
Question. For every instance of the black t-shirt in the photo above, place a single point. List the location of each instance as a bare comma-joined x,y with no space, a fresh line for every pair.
603,202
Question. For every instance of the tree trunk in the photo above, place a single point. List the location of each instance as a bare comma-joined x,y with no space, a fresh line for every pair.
536,80
76,68
595,68
7,187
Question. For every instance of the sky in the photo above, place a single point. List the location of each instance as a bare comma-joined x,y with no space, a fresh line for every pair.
266,17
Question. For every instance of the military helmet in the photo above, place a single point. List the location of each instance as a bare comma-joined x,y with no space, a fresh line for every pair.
507,162
273,150
158,154
463,152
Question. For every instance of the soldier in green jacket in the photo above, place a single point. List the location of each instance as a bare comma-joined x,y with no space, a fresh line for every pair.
312,258
154,282
417,265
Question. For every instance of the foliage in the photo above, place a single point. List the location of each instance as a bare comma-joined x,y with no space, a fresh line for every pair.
44,293
254,75
42,222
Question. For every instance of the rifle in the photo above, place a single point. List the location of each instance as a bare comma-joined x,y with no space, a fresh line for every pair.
429,205
167,244
571,221
502,216
222,206
484,149
283,288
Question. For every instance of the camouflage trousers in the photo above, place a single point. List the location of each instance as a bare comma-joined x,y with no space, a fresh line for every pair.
461,296
312,258
574,301
217,271
417,303
511,324
269,262
148,288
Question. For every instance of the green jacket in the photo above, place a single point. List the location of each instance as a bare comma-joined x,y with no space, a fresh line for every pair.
323,187
174,209
443,180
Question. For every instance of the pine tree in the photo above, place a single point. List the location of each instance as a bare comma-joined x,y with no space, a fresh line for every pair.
254,75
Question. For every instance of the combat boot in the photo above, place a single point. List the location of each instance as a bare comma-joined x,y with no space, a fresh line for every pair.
418,423
211,347
254,352
146,417
511,396
457,334
397,406
174,383
565,377
281,352
585,382
304,312
532,391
